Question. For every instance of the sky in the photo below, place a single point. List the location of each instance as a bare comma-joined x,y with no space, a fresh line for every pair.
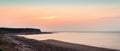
61,15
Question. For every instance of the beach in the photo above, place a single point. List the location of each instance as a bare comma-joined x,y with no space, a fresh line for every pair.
25,44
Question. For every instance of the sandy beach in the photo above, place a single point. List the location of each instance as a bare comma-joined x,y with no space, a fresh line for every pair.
24,44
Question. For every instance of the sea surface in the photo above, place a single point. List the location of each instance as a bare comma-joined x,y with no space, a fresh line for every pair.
106,40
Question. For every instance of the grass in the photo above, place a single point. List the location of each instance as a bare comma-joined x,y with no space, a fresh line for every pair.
3,32
1,49
4,42
6,45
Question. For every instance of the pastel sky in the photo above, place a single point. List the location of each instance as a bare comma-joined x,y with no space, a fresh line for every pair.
61,15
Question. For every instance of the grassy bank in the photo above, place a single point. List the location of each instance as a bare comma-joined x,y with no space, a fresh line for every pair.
1,49
6,45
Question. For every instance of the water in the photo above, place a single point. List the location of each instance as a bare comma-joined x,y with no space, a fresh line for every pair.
106,40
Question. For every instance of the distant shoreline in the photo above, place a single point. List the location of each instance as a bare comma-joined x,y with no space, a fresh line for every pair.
91,31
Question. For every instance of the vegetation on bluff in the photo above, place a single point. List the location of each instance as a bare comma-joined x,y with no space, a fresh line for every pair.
19,30
3,32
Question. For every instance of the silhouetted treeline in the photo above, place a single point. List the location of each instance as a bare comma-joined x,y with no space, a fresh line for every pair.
19,30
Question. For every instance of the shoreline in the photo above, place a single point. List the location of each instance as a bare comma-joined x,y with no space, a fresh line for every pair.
55,45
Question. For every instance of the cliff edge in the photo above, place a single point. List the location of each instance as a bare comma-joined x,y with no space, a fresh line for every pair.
19,30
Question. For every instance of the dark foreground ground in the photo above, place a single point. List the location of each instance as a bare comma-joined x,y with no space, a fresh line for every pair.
5,45
15,43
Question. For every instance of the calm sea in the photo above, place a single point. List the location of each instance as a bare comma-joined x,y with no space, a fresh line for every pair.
106,40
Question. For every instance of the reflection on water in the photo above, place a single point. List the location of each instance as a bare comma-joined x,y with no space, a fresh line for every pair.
107,40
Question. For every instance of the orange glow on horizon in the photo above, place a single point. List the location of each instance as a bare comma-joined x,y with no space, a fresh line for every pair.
48,18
